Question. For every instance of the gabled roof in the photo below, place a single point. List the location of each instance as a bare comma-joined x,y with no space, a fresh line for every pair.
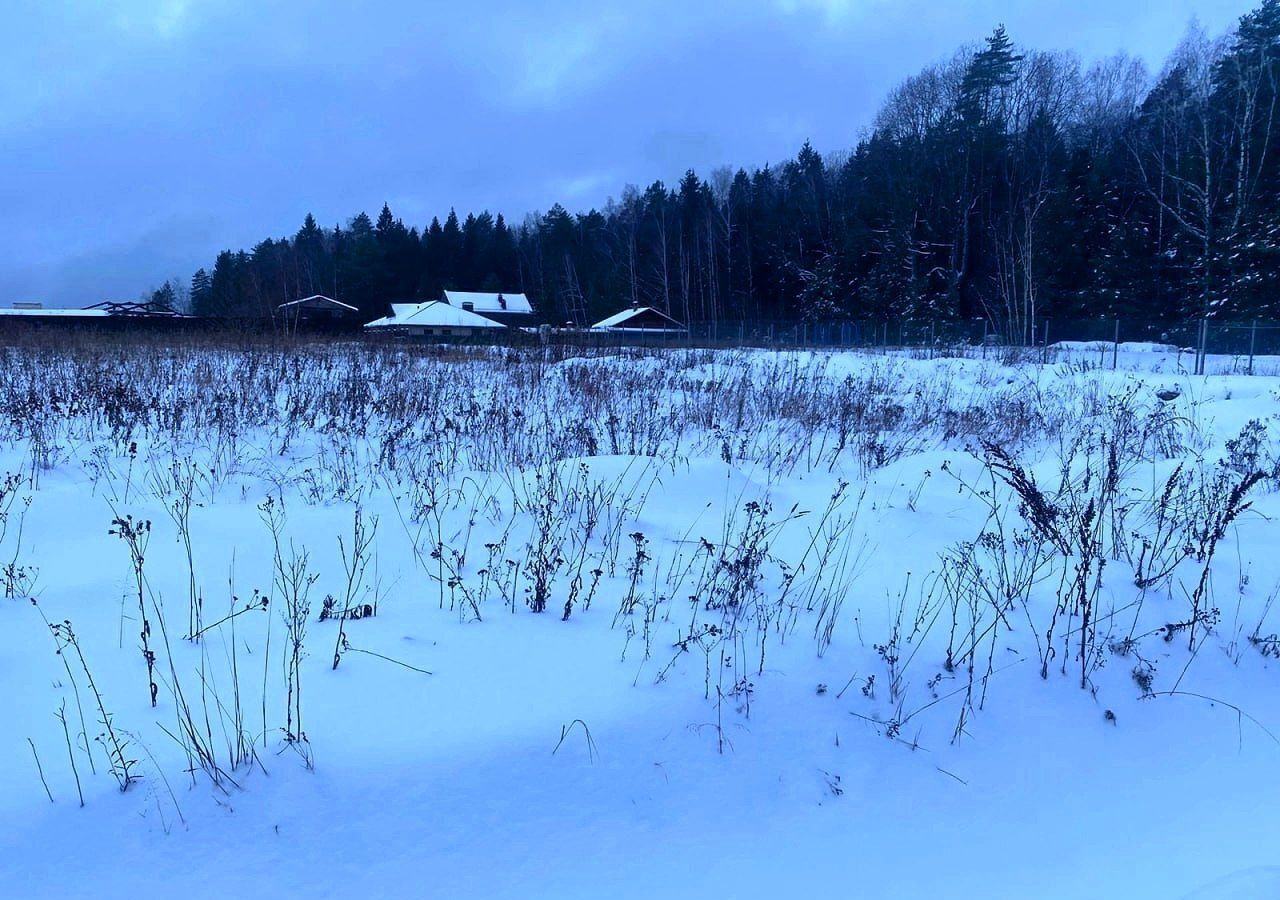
318,300
433,314
490,303
620,321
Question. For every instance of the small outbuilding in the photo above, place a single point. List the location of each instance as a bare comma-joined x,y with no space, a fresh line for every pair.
433,319
316,308
640,320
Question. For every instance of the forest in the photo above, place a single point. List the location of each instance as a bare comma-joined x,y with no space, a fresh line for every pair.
1004,183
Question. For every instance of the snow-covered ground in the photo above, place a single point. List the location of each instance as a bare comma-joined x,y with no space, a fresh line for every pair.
685,624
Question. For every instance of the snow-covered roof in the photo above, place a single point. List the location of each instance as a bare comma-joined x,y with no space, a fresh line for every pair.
400,310
618,321
433,314
56,313
492,303
317,300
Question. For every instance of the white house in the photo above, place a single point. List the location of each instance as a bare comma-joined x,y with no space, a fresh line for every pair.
510,309
434,318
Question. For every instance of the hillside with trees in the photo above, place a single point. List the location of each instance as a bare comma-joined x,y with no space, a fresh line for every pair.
1006,183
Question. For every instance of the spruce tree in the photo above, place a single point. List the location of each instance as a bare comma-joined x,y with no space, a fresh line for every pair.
992,69
202,294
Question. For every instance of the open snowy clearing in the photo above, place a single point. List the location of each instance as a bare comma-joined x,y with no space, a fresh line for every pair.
332,619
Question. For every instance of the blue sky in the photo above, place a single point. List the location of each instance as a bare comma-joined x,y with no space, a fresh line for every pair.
139,137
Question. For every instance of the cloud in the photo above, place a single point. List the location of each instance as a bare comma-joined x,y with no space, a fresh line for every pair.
585,189
159,18
564,57
832,11
120,122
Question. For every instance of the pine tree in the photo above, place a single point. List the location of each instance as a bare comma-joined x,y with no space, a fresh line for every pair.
992,69
386,223
451,236
361,269
202,294
164,297
312,261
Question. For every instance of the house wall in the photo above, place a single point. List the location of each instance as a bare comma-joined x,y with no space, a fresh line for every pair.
423,331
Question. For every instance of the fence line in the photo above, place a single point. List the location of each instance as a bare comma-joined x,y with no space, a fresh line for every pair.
1201,338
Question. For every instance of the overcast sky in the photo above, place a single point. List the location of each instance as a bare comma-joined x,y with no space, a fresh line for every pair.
139,137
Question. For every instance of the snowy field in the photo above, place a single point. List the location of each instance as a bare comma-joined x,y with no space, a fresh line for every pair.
338,620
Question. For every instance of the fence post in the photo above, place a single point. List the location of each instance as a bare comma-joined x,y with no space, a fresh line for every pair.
1253,335
984,338
1044,354
1203,349
1115,348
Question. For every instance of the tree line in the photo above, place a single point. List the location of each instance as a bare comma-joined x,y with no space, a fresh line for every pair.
1004,183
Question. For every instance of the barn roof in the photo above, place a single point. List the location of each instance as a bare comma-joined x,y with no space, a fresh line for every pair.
620,321
433,314
490,303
